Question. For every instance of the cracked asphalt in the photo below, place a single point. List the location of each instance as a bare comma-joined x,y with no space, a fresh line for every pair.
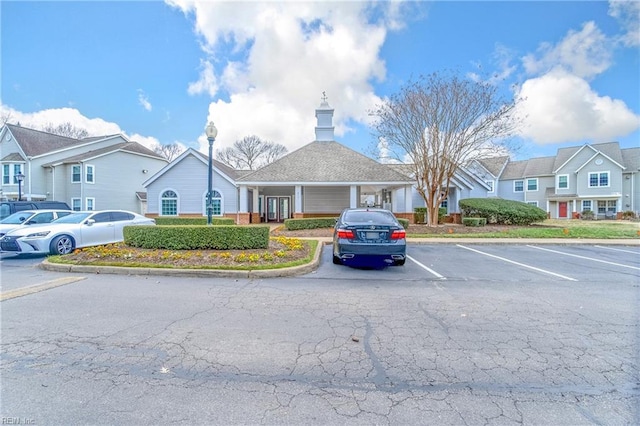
462,335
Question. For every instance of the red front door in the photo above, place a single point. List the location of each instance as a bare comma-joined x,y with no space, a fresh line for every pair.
562,209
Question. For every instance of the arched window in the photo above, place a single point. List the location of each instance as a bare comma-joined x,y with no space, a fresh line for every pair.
216,201
169,203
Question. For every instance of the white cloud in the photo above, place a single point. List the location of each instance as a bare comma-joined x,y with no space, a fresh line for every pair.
56,116
585,53
628,13
285,54
561,107
143,99
207,83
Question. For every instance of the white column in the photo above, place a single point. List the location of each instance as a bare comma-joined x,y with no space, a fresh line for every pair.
243,207
408,199
256,197
353,196
298,199
395,201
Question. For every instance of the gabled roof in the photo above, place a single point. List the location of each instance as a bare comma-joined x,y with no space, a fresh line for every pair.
610,150
36,142
14,156
224,170
131,147
494,165
325,162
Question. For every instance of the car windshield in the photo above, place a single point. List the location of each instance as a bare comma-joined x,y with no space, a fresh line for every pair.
72,218
369,216
17,218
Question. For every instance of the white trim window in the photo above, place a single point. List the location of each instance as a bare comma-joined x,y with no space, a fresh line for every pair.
17,170
607,206
562,181
491,184
518,185
598,179
169,203
90,203
587,205
6,174
532,184
216,201
533,203
76,173
89,173
76,204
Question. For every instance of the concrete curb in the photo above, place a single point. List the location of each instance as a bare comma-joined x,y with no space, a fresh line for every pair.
315,262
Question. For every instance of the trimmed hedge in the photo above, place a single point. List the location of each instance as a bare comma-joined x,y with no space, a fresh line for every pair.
474,221
173,237
504,212
165,220
321,222
309,223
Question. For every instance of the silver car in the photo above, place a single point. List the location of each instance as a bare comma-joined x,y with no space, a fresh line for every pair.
29,217
77,230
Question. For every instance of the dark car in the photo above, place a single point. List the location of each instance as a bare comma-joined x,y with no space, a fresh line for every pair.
368,237
10,207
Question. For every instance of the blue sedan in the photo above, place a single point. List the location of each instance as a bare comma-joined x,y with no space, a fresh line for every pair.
368,237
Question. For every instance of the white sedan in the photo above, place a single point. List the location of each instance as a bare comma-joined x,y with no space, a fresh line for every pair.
30,217
77,230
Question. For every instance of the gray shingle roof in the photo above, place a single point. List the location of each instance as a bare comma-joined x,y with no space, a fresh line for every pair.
494,164
541,166
133,147
325,162
631,159
35,142
514,170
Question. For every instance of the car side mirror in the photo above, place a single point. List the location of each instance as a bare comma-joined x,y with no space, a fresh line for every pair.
89,222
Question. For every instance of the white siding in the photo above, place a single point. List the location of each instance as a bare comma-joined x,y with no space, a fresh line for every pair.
325,199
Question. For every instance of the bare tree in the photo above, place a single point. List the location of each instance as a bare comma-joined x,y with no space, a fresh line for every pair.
251,153
66,129
5,118
169,151
438,123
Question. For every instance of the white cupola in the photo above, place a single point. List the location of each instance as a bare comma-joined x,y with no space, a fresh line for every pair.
324,115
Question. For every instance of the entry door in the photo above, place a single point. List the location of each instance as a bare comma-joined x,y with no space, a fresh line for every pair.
278,209
562,209
272,209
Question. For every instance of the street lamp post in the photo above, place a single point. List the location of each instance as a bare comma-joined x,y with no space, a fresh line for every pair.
212,132
20,178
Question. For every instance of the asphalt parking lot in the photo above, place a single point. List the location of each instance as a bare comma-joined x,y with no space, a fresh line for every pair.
462,334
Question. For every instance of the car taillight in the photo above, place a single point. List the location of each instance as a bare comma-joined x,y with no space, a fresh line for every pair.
398,235
346,233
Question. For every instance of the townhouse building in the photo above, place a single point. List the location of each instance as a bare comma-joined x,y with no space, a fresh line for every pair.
94,173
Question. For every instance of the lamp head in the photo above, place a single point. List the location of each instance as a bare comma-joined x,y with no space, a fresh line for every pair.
211,130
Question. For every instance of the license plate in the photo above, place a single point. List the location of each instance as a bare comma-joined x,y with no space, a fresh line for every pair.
372,235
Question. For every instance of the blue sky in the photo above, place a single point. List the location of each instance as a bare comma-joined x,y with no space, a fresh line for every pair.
159,71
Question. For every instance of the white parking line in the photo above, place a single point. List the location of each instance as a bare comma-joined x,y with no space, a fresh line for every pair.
617,249
426,268
593,259
24,291
518,263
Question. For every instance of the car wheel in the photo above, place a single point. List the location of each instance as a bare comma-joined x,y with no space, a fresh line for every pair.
63,244
336,260
400,262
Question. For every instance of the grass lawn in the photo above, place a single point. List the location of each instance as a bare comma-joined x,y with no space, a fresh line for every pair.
552,228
